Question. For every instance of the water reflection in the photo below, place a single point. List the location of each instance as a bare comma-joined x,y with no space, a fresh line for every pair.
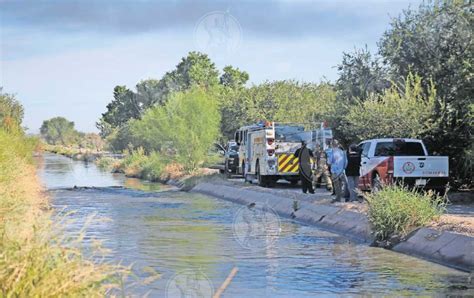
173,231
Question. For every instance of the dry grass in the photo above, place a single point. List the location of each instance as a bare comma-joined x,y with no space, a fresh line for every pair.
455,223
35,257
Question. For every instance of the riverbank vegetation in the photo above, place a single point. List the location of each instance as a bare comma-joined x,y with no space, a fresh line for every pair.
60,136
418,85
36,259
395,211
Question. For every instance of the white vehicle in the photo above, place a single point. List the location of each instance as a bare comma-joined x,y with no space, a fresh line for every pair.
392,160
266,150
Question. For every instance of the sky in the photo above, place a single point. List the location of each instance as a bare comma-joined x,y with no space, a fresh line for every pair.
63,58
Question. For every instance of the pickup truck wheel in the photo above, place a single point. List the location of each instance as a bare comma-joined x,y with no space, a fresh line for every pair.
376,183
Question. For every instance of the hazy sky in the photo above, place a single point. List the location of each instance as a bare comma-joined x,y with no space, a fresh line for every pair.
63,58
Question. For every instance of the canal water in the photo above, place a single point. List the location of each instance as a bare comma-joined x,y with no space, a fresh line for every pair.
192,242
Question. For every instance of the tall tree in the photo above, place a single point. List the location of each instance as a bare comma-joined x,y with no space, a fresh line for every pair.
11,111
58,130
233,77
435,41
360,74
123,107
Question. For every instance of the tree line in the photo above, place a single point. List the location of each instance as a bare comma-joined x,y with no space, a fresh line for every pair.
418,84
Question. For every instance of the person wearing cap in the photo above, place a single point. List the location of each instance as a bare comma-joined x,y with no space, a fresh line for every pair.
338,162
304,155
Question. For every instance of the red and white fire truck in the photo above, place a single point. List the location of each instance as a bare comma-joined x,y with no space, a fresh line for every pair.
391,160
266,150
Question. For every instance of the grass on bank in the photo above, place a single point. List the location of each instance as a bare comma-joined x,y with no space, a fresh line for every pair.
396,210
36,259
137,164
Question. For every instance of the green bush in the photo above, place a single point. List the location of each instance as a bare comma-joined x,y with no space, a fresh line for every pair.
105,163
183,129
396,211
395,113
153,167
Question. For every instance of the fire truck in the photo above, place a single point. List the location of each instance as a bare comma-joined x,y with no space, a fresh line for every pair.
266,150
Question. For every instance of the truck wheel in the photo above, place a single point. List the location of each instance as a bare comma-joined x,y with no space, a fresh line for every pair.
376,183
262,181
226,169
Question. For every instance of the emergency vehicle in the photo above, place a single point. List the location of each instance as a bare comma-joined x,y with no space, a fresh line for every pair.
266,150
386,161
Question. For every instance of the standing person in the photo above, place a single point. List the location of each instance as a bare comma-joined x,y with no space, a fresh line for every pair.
322,168
353,171
304,155
338,164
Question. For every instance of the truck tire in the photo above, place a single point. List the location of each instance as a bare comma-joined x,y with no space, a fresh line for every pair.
244,173
262,181
227,173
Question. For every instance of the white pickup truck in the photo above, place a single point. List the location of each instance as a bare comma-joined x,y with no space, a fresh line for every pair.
393,160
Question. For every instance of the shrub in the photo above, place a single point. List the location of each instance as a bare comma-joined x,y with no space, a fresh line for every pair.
105,163
184,129
396,211
153,167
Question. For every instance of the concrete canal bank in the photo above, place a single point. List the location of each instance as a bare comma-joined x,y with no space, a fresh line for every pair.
446,248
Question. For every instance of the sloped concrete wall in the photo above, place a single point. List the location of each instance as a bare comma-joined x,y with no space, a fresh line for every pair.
445,248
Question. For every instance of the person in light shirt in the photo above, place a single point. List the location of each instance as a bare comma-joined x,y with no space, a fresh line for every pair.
338,162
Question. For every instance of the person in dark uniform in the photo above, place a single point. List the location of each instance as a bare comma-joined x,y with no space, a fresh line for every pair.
304,155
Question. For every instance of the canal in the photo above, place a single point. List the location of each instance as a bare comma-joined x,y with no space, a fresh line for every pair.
193,241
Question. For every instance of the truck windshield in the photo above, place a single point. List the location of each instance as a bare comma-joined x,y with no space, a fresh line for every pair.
289,133
399,149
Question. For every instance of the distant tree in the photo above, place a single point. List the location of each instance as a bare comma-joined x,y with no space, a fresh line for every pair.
398,112
91,141
233,77
58,130
436,41
196,69
283,101
360,74
11,111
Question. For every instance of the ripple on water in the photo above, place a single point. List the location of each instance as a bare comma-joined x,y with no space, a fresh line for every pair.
174,231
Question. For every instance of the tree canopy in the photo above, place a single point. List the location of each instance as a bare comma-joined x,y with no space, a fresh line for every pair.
58,131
